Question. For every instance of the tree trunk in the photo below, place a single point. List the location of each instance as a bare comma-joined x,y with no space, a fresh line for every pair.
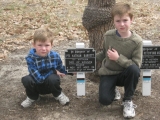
97,20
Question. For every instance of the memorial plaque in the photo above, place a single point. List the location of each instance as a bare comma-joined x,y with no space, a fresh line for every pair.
151,57
80,60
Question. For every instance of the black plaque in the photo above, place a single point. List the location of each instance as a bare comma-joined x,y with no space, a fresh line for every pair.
151,57
80,60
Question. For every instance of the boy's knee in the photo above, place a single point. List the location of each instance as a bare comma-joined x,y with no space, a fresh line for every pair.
105,100
53,79
134,69
27,80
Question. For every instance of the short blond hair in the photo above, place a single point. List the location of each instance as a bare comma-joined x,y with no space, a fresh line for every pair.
42,35
121,9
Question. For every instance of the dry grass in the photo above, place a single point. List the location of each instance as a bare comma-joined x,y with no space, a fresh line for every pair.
19,19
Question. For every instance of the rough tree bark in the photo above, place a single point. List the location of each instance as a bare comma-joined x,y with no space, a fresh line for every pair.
97,20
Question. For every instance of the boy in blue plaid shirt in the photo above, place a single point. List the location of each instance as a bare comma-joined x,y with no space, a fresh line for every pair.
45,69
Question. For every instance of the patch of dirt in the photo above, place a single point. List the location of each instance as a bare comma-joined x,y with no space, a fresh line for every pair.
12,92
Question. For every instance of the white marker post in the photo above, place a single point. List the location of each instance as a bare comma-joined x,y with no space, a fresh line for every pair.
80,76
146,83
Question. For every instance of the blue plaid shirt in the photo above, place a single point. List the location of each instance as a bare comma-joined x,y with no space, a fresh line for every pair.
41,67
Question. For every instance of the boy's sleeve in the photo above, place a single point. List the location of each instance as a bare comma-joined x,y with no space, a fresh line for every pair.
60,66
101,55
136,57
34,71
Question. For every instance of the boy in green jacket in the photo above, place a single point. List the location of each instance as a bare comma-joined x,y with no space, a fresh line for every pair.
121,60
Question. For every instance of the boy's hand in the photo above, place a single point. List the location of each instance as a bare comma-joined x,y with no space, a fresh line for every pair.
112,54
60,74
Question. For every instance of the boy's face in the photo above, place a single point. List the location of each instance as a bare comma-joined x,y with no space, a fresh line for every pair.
122,23
42,48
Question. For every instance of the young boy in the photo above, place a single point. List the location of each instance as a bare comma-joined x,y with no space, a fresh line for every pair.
45,69
121,60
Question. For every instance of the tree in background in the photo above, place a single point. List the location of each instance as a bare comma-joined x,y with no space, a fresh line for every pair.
97,20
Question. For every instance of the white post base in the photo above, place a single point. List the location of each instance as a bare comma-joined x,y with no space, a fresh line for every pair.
146,83
80,84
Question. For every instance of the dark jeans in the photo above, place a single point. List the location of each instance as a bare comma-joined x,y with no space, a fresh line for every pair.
128,78
50,85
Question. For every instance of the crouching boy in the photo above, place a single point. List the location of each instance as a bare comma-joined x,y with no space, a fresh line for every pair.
45,69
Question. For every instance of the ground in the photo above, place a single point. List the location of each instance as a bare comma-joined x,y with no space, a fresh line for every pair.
12,92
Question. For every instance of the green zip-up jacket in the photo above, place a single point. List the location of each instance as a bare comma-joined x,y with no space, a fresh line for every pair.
129,50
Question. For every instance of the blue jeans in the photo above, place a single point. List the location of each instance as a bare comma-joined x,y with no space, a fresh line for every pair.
50,85
128,78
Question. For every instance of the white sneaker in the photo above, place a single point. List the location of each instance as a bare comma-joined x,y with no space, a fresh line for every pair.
63,99
28,102
128,109
117,95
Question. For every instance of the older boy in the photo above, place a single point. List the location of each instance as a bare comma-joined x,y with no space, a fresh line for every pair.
121,59
45,69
